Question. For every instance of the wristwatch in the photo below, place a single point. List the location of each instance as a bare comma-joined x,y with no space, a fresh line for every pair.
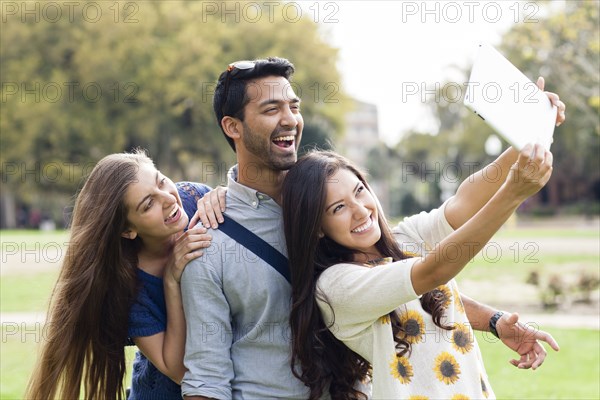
493,322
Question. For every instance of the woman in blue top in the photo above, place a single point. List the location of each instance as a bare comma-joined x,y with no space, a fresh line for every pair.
148,316
119,281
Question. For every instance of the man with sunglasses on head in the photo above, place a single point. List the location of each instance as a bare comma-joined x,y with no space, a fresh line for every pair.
236,304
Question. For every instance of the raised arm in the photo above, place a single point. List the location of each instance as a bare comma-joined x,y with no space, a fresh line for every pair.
165,350
475,191
526,177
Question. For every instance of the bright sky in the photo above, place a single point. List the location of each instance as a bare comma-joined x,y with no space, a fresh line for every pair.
392,51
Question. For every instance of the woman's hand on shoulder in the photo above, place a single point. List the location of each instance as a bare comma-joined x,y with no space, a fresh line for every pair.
188,247
210,208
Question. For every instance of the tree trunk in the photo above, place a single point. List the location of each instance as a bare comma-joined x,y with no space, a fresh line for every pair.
8,211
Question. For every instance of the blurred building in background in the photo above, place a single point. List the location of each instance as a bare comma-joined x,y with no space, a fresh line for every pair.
360,139
362,132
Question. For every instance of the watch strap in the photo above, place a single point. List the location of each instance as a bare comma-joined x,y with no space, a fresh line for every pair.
493,322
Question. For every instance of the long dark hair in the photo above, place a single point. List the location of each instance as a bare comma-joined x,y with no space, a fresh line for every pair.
322,358
88,313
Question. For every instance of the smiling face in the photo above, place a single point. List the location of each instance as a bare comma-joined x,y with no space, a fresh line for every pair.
350,217
154,209
272,126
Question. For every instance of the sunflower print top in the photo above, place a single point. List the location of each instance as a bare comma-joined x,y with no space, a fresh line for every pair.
442,364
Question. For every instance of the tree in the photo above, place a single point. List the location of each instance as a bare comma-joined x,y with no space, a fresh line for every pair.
564,47
109,76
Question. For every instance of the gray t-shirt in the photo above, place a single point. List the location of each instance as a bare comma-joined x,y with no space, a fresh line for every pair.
237,308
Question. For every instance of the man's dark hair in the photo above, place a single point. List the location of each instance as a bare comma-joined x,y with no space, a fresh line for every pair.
230,94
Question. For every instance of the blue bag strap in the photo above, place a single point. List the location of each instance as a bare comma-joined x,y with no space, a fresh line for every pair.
257,245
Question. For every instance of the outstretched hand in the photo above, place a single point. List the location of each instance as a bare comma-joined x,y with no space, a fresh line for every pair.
525,340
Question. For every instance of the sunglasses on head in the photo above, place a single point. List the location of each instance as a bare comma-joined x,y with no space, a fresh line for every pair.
234,69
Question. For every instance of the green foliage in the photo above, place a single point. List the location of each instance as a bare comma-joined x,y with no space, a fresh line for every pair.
564,47
75,89
314,136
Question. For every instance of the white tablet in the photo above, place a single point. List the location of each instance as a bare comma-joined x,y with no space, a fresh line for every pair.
506,99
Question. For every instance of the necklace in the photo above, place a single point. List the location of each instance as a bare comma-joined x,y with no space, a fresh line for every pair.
380,261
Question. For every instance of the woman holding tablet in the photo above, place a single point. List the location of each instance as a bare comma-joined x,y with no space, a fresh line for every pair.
370,303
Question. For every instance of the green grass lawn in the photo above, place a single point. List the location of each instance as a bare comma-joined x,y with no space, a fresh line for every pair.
31,237
18,352
30,266
571,373
18,294
480,268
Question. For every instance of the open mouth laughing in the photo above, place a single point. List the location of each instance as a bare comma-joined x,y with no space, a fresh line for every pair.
363,227
174,215
284,142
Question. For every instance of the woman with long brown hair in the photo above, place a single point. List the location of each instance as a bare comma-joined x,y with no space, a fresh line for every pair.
119,282
368,306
